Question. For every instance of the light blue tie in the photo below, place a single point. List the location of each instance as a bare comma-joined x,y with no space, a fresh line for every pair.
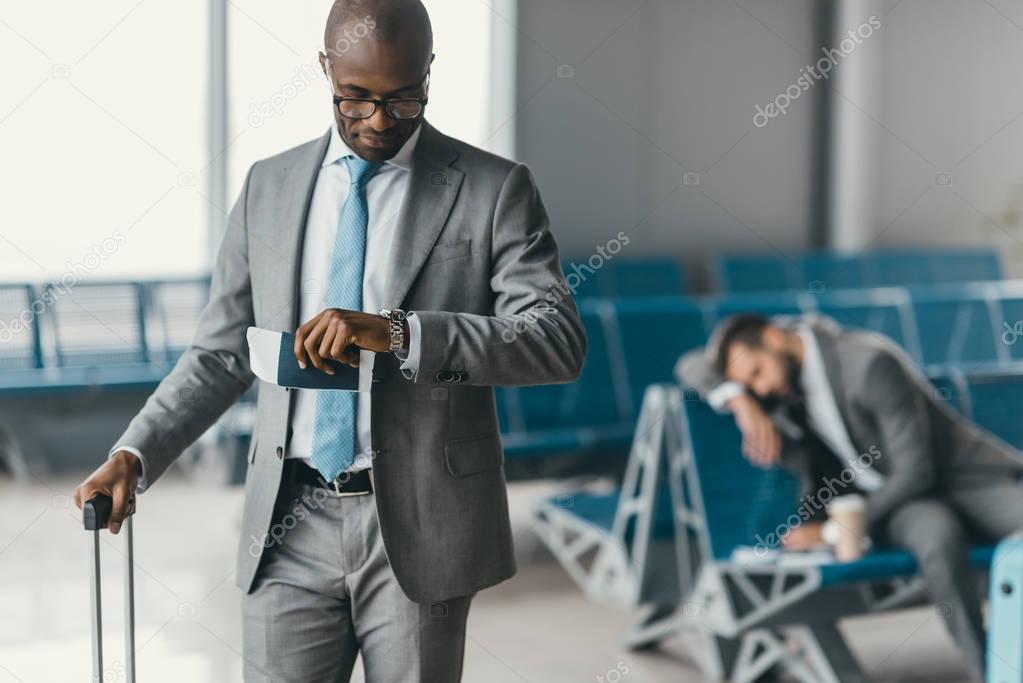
334,427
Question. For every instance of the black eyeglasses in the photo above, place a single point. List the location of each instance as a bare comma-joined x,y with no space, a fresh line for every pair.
400,108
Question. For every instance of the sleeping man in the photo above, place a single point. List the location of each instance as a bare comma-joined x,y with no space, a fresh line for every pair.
812,397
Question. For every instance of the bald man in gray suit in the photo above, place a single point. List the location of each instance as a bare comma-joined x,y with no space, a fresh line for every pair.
369,522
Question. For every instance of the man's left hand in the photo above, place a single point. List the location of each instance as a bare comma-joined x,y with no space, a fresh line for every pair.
339,335
804,537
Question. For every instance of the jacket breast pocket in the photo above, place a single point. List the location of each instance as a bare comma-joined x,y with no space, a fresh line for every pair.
449,251
472,456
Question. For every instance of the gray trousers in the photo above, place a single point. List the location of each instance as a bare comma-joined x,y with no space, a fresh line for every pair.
324,593
938,532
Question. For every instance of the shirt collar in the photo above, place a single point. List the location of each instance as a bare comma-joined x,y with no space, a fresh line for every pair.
338,149
812,371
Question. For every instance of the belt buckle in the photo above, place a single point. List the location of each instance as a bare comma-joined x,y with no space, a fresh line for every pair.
338,493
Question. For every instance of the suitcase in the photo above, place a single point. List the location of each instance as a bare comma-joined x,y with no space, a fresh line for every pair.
96,513
1005,630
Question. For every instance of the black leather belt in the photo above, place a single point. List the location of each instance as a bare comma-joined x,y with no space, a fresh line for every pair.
346,484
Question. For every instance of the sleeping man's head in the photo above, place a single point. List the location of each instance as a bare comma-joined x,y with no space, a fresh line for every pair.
752,351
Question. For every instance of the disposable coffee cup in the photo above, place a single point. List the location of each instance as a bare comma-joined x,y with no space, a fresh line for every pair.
846,530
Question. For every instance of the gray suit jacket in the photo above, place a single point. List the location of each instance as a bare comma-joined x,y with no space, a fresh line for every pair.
473,254
921,443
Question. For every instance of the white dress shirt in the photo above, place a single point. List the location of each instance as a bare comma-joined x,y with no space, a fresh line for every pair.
821,409
385,194
823,416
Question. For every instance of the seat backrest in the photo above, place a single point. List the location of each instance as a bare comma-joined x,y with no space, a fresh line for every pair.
620,277
651,277
769,304
19,327
825,271
654,333
886,311
994,399
898,268
955,326
757,273
176,305
967,265
1007,301
742,505
597,397
99,323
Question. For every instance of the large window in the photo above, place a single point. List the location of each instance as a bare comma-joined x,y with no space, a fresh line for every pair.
102,139
104,122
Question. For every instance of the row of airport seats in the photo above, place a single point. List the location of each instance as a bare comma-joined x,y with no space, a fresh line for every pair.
106,335
129,334
636,342
694,525
597,277
825,270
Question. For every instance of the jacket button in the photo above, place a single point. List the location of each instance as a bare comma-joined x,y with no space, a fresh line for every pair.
444,376
280,452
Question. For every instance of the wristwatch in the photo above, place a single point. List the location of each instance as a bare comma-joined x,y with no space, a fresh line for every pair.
396,317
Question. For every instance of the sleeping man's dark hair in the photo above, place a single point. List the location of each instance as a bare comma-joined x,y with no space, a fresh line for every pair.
744,328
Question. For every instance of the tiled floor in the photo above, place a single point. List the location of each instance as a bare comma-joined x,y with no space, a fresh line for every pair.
536,628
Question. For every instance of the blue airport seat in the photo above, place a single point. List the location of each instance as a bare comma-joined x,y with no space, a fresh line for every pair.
757,273
20,311
99,324
829,271
995,403
743,504
769,304
898,268
620,277
654,333
884,311
175,306
888,564
1008,302
573,417
600,509
967,265
826,271
647,278
955,329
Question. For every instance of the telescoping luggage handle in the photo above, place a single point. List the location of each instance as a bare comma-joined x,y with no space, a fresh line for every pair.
96,514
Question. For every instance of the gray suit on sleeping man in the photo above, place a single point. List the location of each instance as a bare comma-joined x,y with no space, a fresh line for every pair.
814,398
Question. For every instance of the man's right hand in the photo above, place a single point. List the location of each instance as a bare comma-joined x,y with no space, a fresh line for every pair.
761,443
117,478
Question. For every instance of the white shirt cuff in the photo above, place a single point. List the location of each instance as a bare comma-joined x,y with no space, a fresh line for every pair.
410,356
143,484
723,393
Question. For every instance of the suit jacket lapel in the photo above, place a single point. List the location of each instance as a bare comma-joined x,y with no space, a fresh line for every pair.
828,343
433,187
298,183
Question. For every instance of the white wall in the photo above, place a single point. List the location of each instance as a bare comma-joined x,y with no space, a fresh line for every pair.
666,87
658,90
951,102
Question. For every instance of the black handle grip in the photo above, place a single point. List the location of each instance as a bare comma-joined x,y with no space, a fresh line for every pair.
96,511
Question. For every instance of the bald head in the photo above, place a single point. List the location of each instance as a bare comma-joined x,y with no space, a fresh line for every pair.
404,22
379,50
